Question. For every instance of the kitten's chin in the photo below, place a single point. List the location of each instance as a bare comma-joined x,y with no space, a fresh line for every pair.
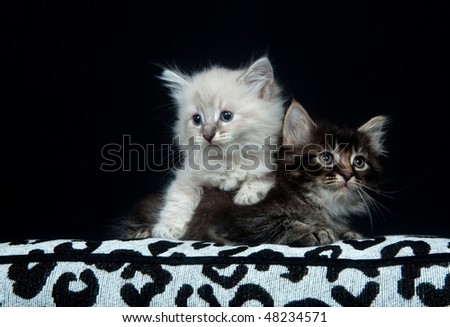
343,188
341,203
342,192
339,188
213,145
219,147
350,201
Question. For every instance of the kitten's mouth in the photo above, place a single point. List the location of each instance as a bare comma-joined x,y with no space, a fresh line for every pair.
342,187
345,185
212,145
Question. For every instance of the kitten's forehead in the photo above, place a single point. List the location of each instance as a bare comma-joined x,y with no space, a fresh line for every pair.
212,88
341,139
204,99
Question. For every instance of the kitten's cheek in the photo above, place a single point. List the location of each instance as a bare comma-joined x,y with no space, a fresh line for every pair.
352,187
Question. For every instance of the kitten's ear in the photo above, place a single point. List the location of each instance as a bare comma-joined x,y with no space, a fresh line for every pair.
297,125
375,130
174,80
259,77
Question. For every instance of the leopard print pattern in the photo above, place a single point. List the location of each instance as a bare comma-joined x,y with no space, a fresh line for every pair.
394,271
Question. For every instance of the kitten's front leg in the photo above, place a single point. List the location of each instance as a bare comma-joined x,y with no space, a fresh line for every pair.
180,203
254,189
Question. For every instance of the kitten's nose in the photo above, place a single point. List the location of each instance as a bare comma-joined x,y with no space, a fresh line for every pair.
209,136
346,174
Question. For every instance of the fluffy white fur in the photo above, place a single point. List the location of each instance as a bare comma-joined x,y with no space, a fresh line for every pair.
253,98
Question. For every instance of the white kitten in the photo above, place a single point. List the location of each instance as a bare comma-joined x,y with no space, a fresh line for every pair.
225,118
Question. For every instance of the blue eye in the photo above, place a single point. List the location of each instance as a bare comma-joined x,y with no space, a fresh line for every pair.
197,119
326,158
226,116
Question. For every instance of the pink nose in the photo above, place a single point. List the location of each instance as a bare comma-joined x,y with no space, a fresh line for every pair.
209,137
346,175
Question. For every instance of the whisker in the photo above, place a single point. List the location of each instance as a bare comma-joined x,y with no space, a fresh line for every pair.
382,193
367,208
379,206
155,113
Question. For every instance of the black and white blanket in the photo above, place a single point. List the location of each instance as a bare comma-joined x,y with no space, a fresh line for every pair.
390,271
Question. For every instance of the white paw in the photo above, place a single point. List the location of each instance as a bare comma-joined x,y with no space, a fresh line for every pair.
252,192
248,197
229,184
141,233
172,232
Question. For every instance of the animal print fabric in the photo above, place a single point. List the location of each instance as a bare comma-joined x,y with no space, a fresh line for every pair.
383,271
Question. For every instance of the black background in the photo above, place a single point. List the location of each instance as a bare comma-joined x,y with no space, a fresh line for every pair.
78,75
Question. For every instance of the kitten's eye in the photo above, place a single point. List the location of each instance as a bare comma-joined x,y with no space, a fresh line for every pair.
197,119
326,158
226,116
359,162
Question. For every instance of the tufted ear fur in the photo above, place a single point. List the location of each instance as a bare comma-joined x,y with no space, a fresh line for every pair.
374,130
175,81
259,77
297,125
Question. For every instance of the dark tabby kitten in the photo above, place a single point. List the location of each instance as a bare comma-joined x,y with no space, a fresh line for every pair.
325,175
